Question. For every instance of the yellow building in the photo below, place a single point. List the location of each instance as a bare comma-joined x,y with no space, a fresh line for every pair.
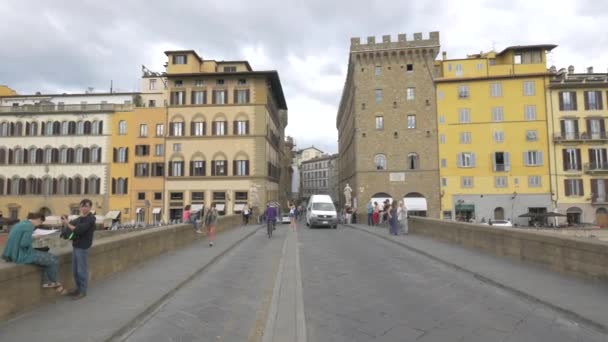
492,132
121,151
6,91
579,160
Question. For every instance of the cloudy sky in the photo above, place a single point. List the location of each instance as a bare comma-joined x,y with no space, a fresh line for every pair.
69,45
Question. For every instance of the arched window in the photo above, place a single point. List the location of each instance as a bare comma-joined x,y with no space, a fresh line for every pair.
122,154
79,155
70,155
499,213
49,128
122,127
77,185
22,186
71,127
33,129
96,155
56,128
87,128
19,129
62,186
80,128
55,156
2,185
31,186
48,155
92,186
47,186
412,161
18,156
63,155
4,129
2,155
32,156
86,155
95,128
119,186
380,162
65,128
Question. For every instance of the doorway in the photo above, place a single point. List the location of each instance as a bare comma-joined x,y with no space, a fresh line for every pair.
499,213
573,216
601,217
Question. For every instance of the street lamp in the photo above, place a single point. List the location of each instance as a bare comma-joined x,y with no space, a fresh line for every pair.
512,205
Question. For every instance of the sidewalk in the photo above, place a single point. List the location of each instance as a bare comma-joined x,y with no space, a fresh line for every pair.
579,298
115,304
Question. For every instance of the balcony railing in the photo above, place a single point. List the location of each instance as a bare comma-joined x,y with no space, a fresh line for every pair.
595,199
596,167
580,136
45,108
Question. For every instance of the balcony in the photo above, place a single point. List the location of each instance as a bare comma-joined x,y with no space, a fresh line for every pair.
595,199
567,137
595,136
51,108
596,168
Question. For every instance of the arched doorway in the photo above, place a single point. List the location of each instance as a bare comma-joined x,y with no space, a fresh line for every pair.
415,203
601,217
499,213
573,215
45,211
380,197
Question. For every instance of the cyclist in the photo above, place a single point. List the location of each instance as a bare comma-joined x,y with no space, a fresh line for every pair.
271,218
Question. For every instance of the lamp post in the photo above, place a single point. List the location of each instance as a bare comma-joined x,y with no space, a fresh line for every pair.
513,205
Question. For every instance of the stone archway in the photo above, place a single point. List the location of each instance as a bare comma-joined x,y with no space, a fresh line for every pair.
601,217
415,203
45,211
499,213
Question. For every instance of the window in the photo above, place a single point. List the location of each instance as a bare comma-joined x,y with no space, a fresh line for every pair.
412,161
219,127
177,129
593,100
142,150
142,169
199,97
499,136
158,196
122,127
567,100
143,130
500,181
501,162
410,94
441,119
464,115
496,89
440,95
178,98
241,127
176,169
466,182
179,83
198,195
79,128
530,111
241,96
479,66
176,196
199,83
96,128
177,147
572,159
141,196
517,58
152,84
574,187
411,121
444,162
378,94
242,81
121,155
158,169
159,149
197,168
409,67
379,122
534,181
531,135
533,158
380,162
442,138
160,130
465,137
241,167
180,59
444,182
459,70
220,81
378,71
463,92
120,186
219,96
218,168
466,159
230,69
529,88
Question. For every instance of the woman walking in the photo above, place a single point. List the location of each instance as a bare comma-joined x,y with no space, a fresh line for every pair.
392,218
292,217
210,222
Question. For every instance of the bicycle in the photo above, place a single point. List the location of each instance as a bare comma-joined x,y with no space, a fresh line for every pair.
270,226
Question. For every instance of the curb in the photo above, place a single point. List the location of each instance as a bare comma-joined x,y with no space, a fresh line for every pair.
567,312
122,333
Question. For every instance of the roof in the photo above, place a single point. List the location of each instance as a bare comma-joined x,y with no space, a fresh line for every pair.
173,52
316,159
273,75
236,62
547,47
66,95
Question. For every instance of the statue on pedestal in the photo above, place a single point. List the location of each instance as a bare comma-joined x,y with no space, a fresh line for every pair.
347,194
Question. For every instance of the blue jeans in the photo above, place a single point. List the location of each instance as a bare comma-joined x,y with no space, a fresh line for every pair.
80,269
48,262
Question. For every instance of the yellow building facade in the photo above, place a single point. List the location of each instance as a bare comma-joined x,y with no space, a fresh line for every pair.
578,103
120,155
492,135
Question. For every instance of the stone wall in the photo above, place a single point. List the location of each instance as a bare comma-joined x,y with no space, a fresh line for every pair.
21,284
577,256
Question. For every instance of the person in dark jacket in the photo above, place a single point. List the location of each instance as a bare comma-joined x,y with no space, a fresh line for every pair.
83,229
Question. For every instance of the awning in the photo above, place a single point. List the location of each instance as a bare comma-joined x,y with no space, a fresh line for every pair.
239,207
380,201
196,207
138,210
415,203
465,207
220,207
156,210
113,214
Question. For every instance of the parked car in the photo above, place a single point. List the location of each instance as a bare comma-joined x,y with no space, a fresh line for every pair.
285,218
501,223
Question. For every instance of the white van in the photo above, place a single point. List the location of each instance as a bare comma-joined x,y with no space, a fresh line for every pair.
321,211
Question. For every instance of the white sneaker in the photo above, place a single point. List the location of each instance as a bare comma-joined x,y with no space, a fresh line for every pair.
199,231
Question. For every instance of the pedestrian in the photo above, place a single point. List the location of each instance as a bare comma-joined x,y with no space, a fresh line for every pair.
370,213
348,214
292,217
187,217
246,214
402,217
210,223
375,214
81,230
392,218
19,249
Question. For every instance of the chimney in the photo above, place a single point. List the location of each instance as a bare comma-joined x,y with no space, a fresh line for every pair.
571,69
590,70
444,55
